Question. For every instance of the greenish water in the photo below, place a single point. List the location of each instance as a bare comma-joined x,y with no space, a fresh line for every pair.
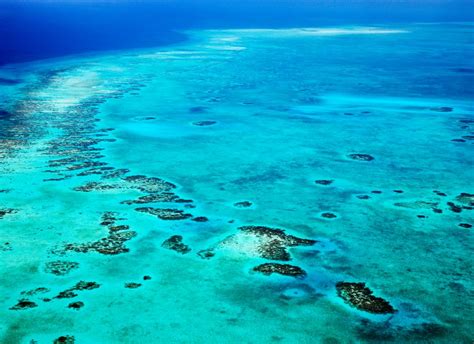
232,116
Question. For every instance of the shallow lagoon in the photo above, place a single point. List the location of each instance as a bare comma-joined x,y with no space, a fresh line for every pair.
233,116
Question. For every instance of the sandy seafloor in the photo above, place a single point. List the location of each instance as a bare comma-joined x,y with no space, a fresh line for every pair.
289,108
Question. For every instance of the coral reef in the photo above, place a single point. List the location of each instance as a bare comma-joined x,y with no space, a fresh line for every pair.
175,243
165,214
60,267
243,204
361,297
282,269
361,157
23,304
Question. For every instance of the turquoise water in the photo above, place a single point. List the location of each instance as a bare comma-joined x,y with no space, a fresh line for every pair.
342,136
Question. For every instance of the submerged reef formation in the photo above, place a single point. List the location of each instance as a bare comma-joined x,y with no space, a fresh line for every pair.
206,254
6,211
282,269
79,286
175,243
165,214
204,123
328,215
32,292
273,243
465,198
23,304
361,297
243,204
65,340
60,267
76,305
361,157
324,182
132,285
112,244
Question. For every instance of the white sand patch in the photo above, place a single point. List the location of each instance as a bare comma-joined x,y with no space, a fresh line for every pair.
322,31
173,54
226,39
242,244
225,47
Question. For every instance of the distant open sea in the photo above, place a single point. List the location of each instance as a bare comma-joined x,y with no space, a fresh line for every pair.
38,29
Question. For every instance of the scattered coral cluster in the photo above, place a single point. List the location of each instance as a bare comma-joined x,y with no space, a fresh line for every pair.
362,298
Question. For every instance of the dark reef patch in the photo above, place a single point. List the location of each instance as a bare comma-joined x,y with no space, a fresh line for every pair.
465,198
454,207
200,219
23,304
6,246
7,211
132,285
149,184
110,245
324,182
361,157
465,225
359,296
328,215
442,109
175,243
60,267
274,242
204,123
165,214
32,292
76,305
206,254
65,340
164,197
79,286
243,204
282,269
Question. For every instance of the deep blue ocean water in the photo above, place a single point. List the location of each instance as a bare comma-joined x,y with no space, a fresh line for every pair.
260,172
35,29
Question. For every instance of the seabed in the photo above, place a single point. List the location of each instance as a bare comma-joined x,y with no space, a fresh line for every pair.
245,186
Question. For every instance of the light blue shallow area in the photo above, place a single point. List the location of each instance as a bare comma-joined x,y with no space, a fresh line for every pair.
284,108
